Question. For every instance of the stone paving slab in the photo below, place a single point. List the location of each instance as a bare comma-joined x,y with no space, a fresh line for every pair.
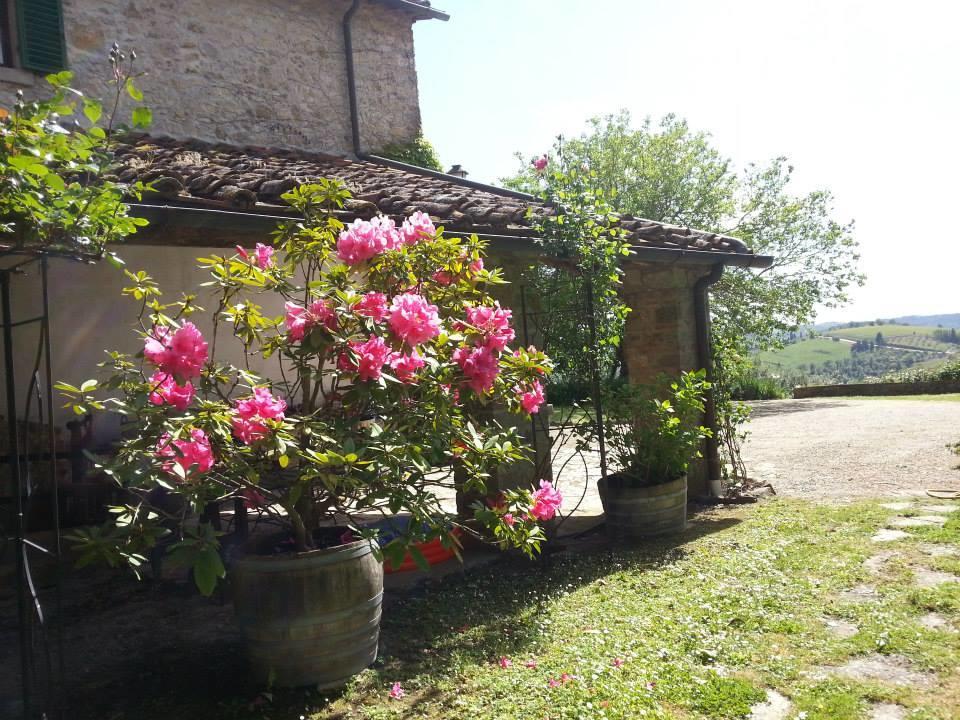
887,535
841,628
775,707
927,578
887,711
891,669
918,521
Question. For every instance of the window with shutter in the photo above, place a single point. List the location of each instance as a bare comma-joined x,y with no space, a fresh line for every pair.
6,45
40,35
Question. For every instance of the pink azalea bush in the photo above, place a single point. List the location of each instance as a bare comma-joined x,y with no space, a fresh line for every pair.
386,348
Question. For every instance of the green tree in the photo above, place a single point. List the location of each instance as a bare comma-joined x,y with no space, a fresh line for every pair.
419,152
670,173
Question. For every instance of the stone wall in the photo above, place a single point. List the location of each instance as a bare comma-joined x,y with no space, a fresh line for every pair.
878,389
262,72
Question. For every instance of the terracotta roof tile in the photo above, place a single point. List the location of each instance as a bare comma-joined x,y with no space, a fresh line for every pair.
253,179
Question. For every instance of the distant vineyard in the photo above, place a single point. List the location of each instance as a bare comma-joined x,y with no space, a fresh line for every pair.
827,361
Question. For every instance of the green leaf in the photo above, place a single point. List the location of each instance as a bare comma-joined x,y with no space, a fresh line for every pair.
142,117
284,461
92,109
55,182
133,91
207,569
418,558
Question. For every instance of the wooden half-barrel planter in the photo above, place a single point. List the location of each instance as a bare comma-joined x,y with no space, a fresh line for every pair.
634,512
310,618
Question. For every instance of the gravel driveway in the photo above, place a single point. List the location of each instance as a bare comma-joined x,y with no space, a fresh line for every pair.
843,448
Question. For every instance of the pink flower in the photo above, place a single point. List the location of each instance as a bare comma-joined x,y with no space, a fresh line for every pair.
321,312
253,498
296,321
476,266
553,682
479,365
193,456
361,241
618,662
567,677
261,404
546,501
509,519
452,392
493,324
263,253
417,227
392,239
532,398
264,256
397,692
372,355
372,305
505,662
532,664
181,353
301,320
413,319
442,277
250,413
540,163
166,390
405,366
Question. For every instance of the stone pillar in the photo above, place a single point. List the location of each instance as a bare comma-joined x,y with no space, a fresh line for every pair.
660,334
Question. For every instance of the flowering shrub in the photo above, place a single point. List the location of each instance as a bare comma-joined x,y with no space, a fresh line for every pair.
387,345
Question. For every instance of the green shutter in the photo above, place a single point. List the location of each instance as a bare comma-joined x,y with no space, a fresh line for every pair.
40,33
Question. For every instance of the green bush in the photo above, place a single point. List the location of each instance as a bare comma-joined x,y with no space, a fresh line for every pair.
419,152
949,372
757,386
652,440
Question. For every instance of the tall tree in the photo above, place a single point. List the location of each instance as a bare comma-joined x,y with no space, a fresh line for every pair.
670,173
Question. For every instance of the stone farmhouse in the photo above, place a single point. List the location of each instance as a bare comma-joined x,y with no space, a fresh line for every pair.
252,97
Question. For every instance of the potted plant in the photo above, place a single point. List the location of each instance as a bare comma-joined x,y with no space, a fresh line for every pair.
361,355
651,441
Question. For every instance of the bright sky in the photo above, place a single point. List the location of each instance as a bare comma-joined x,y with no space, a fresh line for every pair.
862,96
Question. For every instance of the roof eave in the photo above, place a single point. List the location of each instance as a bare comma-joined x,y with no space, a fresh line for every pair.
418,11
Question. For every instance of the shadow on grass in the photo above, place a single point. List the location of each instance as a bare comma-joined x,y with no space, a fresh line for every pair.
462,618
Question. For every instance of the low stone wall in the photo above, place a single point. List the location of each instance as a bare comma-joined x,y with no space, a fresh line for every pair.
887,388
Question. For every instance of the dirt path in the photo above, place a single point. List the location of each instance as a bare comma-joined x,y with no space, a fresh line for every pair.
842,448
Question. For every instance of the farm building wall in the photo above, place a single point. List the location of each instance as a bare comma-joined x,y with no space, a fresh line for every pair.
248,72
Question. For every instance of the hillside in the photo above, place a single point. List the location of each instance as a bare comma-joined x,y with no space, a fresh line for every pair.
920,337
834,360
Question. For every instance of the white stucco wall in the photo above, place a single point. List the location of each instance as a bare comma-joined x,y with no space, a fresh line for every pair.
89,315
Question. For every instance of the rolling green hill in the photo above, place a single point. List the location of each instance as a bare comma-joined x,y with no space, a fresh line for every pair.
914,336
802,354
824,360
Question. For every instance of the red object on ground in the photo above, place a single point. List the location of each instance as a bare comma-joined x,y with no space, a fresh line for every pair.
434,552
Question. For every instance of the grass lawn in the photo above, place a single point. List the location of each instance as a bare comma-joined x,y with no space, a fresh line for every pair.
697,627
